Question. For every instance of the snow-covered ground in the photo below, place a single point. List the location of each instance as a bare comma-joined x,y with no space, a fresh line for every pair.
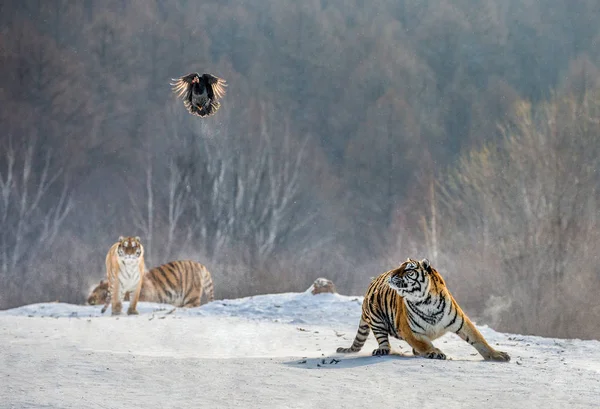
271,351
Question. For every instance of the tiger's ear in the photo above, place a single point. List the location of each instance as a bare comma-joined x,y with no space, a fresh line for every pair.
121,238
426,265
137,238
101,282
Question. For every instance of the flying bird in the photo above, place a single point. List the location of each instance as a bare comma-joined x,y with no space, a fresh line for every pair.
200,93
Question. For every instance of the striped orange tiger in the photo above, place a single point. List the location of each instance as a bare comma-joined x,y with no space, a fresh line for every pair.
413,303
179,283
124,271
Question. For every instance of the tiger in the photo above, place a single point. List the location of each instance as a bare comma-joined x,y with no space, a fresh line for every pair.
179,283
99,294
412,303
125,270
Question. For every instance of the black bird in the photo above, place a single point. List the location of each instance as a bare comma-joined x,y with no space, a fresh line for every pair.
200,92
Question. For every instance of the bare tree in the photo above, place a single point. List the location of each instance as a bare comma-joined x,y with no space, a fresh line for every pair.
157,213
530,204
247,198
33,207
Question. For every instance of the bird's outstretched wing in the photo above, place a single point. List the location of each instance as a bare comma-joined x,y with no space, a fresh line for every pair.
217,84
182,86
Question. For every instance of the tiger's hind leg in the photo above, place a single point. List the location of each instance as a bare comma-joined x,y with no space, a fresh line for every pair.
193,300
193,293
359,340
382,337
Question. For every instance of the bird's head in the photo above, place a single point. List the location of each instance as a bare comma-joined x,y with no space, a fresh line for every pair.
191,78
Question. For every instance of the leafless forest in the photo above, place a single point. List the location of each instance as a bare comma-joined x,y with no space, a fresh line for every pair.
354,134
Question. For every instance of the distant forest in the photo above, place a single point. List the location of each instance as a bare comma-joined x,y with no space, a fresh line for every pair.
353,135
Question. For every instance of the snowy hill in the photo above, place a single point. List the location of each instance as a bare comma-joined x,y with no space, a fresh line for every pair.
271,351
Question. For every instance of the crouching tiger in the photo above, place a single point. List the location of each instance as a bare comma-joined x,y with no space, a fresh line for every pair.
179,283
413,303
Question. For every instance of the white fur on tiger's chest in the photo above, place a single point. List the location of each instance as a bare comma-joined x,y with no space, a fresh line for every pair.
433,318
129,274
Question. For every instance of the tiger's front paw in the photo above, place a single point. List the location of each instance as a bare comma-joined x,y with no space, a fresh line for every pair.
381,351
117,308
498,356
132,312
434,354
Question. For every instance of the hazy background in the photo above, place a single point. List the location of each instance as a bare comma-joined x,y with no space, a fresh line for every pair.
354,134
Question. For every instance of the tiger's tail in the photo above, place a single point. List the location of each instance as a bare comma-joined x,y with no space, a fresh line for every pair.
103,310
207,284
361,336
106,303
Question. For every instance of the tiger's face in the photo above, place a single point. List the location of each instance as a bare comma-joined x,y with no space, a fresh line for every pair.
99,294
130,249
412,279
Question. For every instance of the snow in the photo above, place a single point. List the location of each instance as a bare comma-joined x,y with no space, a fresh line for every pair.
270,351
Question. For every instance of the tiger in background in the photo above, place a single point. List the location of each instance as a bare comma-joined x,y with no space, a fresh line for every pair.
125,270
413,303
100,294
179,283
